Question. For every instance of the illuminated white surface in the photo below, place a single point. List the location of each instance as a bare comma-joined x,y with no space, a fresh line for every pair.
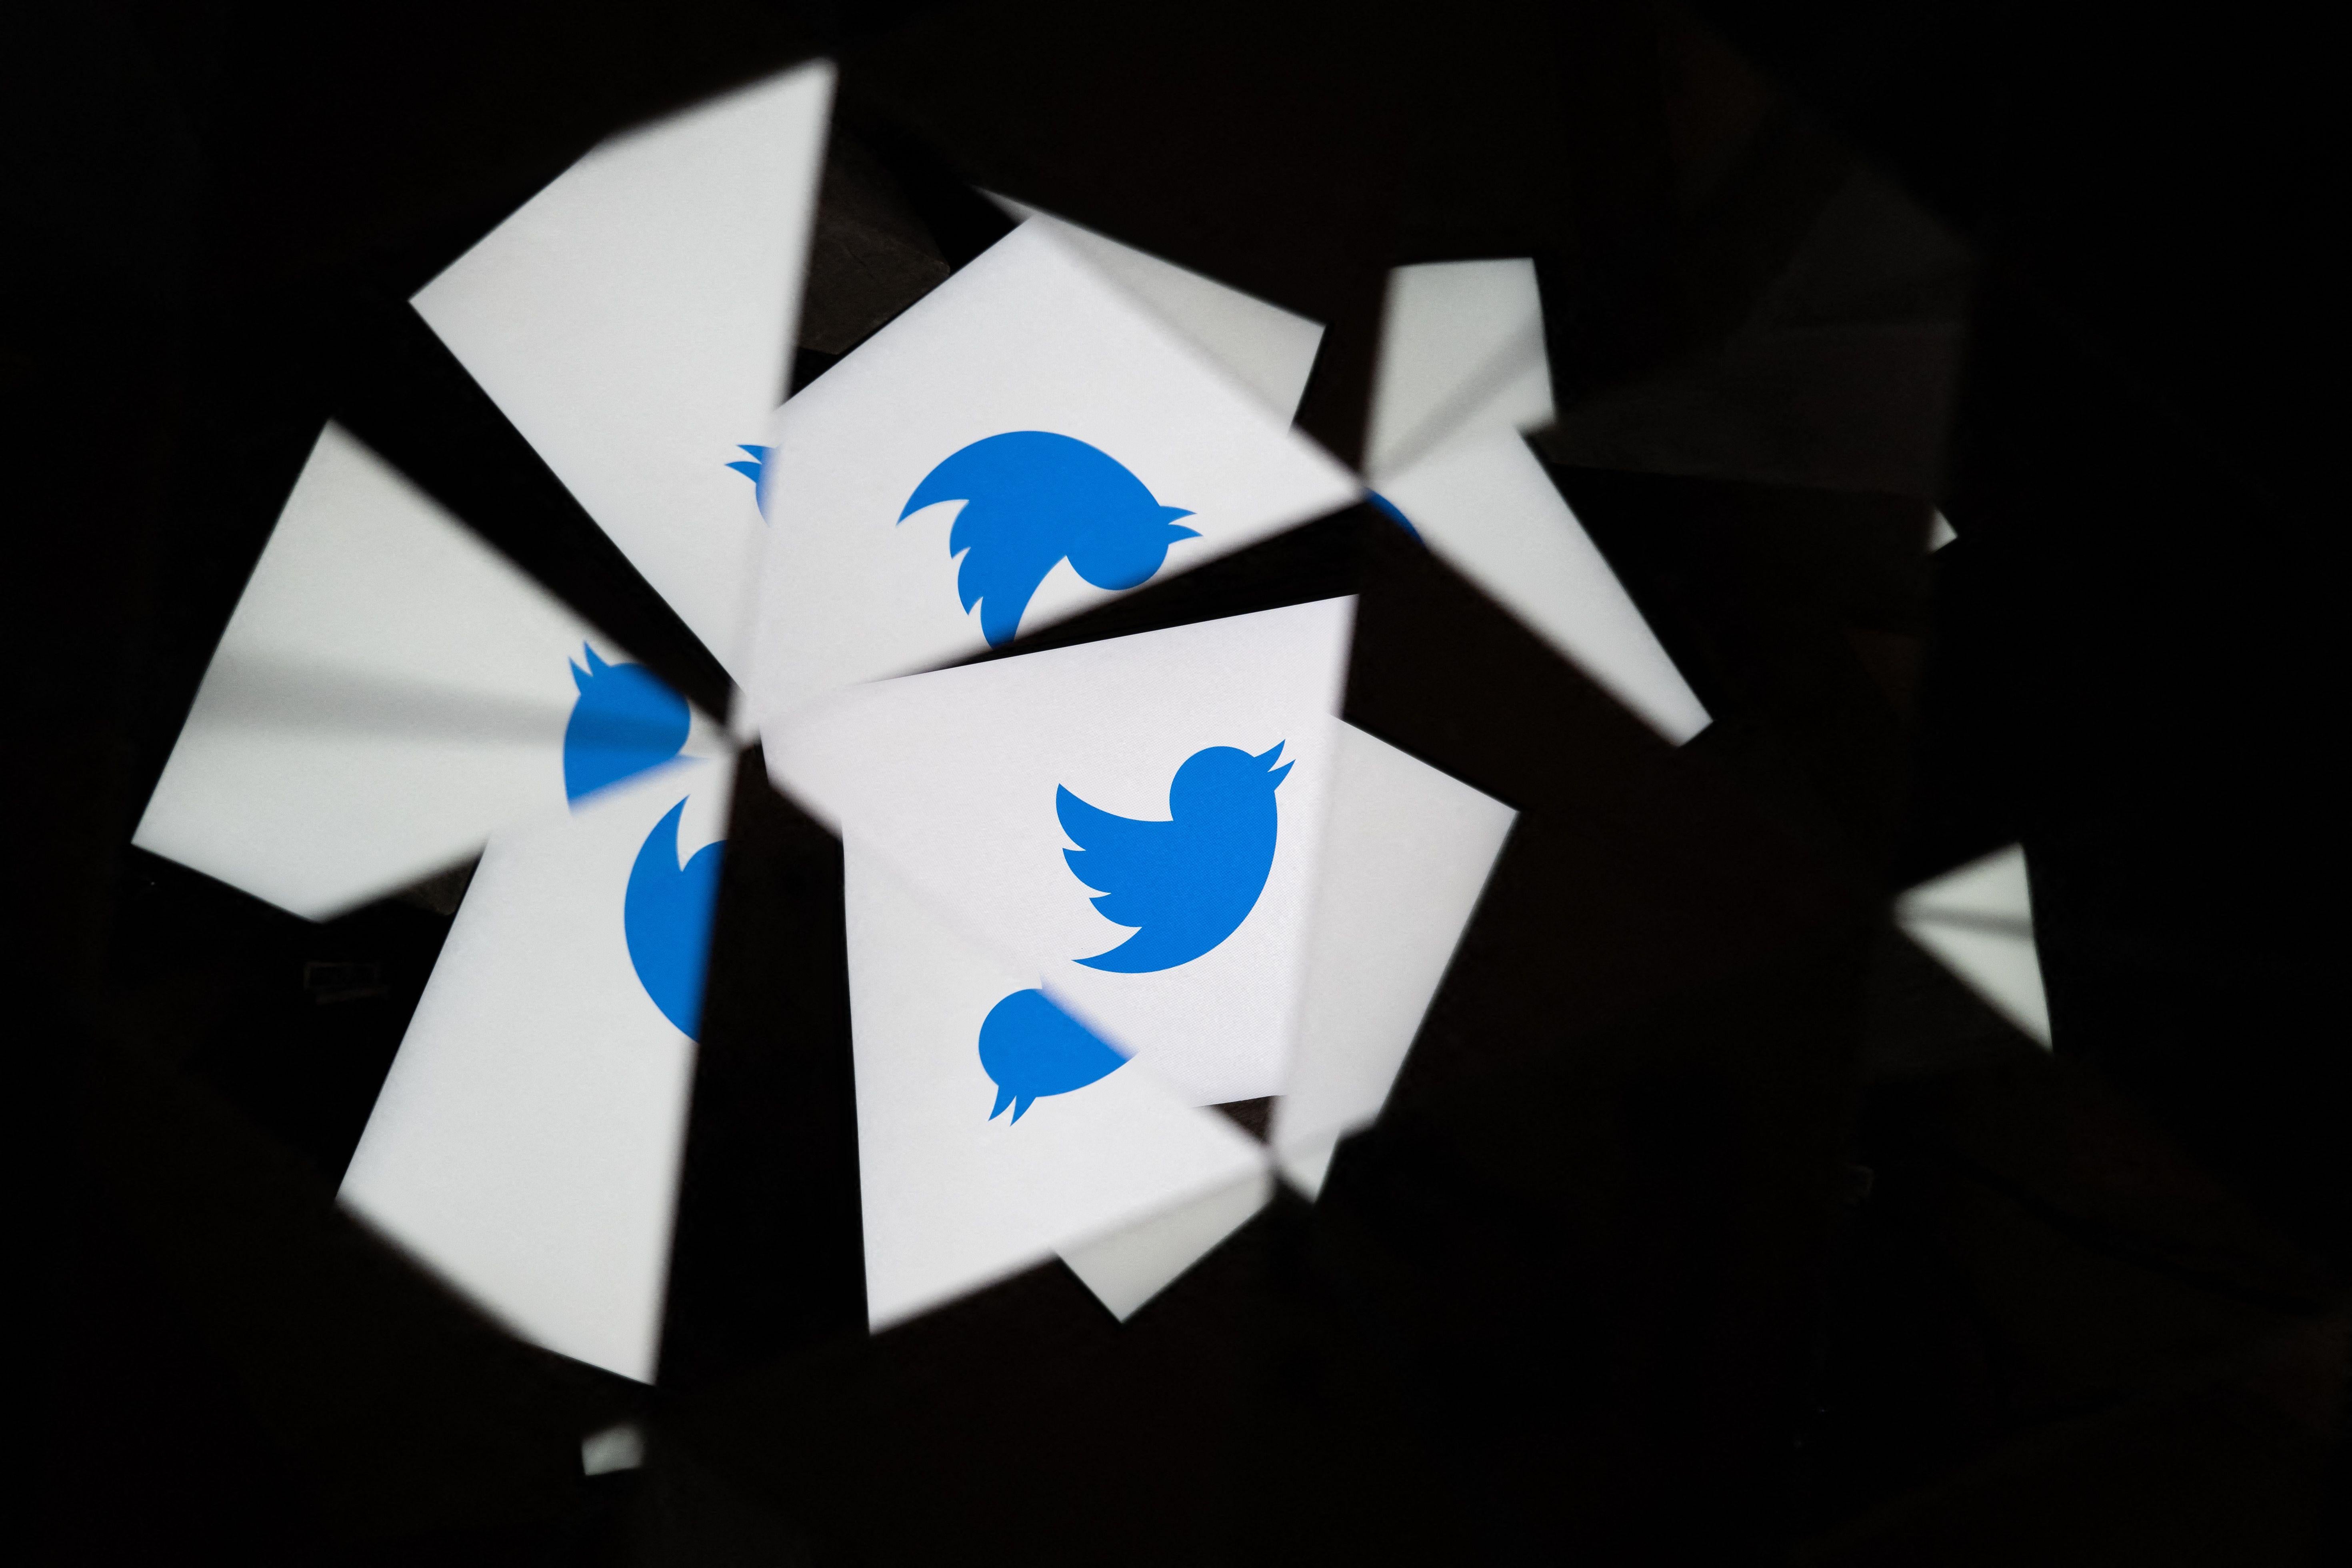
1127,1268
1485,504
949,777
390,691
1978,921
1462,351
1028,337
1406,852
952,1199
621,1447
1268,348
635,320
525,1144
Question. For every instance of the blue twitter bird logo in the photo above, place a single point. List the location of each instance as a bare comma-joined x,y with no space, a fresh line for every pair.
624,721
1186,883
665,916
1032,1048
1030,498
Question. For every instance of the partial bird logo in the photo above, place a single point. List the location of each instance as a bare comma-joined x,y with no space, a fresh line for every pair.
1032,1048
751,467
624,721
1032,497
1389,509
1188,882
665,916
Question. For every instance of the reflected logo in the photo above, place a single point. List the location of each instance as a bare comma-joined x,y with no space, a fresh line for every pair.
1032,1048
624,721
1187,883
665,916
1032,499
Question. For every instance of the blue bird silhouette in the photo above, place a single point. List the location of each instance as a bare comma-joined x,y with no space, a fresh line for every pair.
1030,498
665,916
1032,1048
1186,883
624,721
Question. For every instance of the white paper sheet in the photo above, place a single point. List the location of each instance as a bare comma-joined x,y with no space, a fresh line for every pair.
389,692
1127,1268
526,1142
1028,338
1268,348
1483,503
635,320
954,778
1406,852
1462,353
955,1197
1978,921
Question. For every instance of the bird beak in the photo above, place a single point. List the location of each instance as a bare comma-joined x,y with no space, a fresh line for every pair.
1170,514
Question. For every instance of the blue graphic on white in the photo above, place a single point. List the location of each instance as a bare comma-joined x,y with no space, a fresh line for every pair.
624,721
751,468
1387,508
1032,497
665,915
1186,883
1032,1049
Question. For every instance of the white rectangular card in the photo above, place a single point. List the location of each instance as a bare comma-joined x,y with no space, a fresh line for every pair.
959,1187
636,320
525,1144
1024,442
390,691
969,781
1406,852
1268,348
1462,353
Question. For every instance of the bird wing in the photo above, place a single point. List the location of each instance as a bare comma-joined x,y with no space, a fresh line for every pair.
1006,554
1124,861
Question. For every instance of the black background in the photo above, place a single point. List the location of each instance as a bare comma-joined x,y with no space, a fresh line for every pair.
1709,1221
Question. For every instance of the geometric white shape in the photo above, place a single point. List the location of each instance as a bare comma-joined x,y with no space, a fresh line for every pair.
1484,504
1462,351
618,1447
1307,1163
952,777
635,320
952,1197
390,691
2003,969
526,1144
1940,532
1129,1266
1268,348
1977,919
1990,888
1028,337
1406,852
